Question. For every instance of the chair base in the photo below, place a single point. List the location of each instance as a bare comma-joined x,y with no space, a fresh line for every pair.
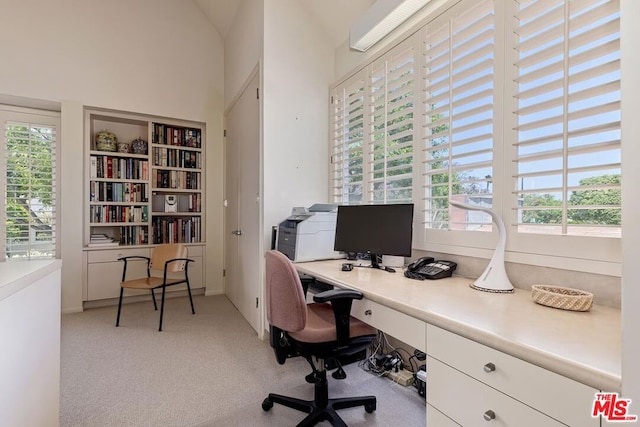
321,408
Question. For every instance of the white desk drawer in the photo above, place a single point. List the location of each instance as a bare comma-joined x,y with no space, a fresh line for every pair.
112,255
467,400
195,251
438,419
559,397
399,325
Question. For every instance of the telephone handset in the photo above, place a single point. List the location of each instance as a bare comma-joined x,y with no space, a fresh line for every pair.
429,268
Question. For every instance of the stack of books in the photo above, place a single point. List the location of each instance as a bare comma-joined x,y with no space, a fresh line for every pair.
102,240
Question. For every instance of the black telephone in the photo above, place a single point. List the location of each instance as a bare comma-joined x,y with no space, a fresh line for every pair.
429,268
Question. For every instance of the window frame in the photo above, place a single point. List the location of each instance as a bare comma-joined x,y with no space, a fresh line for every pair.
47,118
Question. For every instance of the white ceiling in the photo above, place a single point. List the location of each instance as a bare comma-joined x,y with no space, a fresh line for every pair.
335,16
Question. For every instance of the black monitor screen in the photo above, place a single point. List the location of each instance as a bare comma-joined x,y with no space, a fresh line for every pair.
375,229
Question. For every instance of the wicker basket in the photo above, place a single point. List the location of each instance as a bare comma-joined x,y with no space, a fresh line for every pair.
563,298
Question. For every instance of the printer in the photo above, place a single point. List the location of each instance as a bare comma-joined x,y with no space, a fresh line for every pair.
309,234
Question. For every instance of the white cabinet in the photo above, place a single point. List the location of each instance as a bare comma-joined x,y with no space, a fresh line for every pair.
438,419
466,379
104,271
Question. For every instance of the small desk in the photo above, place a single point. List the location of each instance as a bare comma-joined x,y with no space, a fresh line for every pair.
582,346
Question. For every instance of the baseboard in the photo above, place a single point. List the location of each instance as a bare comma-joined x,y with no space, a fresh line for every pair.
213,293
72,310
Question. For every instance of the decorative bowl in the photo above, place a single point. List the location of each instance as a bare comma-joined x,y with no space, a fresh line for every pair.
106,141
139,146
124,147
561,297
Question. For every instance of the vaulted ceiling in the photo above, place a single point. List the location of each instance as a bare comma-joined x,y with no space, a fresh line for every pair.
335,16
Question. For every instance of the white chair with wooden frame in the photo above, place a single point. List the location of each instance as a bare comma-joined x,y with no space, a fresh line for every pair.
167,258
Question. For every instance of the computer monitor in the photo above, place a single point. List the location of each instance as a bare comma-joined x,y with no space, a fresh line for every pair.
375,229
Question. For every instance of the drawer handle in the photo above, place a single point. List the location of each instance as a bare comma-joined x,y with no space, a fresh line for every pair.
489,367
367,312
489,415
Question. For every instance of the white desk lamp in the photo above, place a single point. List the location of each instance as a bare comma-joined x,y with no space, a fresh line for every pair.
494,278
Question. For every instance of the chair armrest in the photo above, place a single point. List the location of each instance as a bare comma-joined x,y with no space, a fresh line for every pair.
340,300
336,294
126,258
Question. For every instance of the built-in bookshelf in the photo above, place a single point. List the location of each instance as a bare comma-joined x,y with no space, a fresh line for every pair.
143,196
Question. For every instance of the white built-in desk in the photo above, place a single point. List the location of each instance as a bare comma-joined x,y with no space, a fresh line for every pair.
548,363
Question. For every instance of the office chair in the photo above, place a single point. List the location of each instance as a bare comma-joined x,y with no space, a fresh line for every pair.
169,258
320,330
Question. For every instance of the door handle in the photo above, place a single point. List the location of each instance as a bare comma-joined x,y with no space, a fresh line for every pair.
237,232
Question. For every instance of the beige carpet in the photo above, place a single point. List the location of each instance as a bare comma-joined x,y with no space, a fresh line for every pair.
207,369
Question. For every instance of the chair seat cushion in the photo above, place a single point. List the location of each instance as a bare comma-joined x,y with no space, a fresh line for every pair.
148,283
320,326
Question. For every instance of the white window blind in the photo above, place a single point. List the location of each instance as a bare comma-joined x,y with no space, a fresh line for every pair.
458,105
568,117
347,144
373,131
30,187
390,141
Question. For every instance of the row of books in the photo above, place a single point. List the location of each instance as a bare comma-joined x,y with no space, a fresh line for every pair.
176,230
111,213
178,179
134,235
118,168
175,135
126,192
176,158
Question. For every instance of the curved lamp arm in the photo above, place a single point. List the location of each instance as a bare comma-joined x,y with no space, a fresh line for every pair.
494,278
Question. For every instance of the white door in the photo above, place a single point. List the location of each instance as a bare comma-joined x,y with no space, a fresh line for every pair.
243,256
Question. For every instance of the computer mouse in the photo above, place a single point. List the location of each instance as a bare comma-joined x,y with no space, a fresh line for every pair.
347,266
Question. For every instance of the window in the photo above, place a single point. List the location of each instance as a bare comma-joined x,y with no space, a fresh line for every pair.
347,155
459,120
373,131
511,105
568,117
29,170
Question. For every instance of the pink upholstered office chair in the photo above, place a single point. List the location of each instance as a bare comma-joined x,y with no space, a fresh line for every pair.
324,330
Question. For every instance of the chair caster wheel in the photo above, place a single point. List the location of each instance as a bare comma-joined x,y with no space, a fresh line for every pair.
369,408
266,405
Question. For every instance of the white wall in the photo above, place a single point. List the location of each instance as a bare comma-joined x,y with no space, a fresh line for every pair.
159,57
630,39
30,355
298,69
242,47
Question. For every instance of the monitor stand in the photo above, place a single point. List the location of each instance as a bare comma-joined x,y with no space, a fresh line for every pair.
375,264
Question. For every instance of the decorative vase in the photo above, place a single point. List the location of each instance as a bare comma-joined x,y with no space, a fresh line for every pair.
123,147
139,146
106,141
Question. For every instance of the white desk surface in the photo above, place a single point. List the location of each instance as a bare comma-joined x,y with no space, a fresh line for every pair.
585,346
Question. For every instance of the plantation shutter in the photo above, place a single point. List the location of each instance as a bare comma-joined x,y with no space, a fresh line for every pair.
390,141
347,143
568,117
458,104
30,187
